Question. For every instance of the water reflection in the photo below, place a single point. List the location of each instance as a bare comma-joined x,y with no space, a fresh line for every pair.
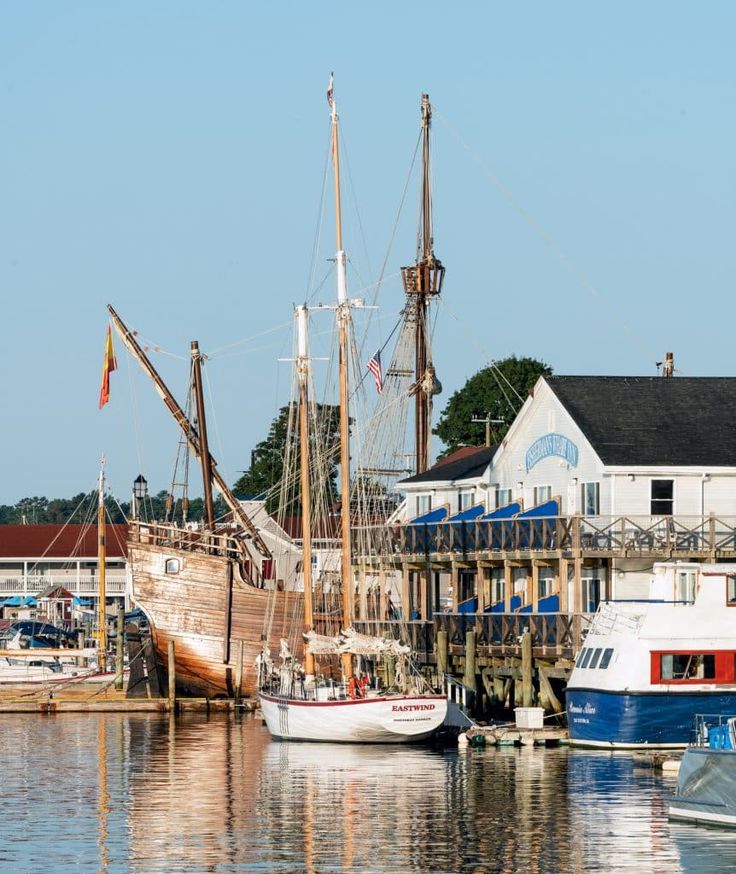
151,793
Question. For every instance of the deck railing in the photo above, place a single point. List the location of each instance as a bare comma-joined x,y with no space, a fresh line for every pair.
82,586
696,536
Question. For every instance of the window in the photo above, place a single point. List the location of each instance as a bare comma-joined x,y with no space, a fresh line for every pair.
662,497
546,582
424,504
685,586
465,500
503,497
687,666
172,566
594,659
590,499
591,594
731,591
606,659
542,494
498,586
585,657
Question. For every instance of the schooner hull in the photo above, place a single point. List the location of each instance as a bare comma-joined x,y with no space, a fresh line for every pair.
395,719
201,603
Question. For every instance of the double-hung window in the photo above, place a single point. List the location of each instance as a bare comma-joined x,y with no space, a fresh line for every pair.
542,494
424,504
662,497
590,499
503,497
465,499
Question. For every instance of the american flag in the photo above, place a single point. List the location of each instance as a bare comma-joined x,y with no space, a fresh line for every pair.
374,365
330,93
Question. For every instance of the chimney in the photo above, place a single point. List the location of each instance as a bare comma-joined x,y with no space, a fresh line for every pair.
668,367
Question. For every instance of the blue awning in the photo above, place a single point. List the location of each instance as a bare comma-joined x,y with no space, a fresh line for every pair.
19,601
548,508
438,515
469,514
506,512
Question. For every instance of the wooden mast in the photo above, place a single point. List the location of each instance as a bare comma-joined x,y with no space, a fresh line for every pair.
422,282
253,536
102,587
204,454
343,321
302,364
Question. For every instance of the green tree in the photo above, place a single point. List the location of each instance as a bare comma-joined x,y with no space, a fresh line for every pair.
497,392
267,459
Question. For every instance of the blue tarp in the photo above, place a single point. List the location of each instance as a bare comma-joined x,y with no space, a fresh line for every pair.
500,606
421,532
505,512
81,602
469,606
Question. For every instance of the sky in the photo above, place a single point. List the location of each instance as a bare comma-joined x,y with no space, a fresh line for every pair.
169,158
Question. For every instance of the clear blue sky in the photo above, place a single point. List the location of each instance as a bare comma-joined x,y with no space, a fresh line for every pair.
167,157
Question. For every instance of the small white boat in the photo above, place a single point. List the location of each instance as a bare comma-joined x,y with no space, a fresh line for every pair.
337,718
16,671
706,782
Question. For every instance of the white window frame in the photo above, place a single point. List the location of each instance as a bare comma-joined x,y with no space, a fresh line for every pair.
503,496
545,582
538,491
465,499
424,504
661,479
584,498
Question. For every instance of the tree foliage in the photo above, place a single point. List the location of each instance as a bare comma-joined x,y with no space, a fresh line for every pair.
267,459
494,391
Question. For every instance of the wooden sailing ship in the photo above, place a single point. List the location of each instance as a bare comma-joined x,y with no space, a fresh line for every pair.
204,588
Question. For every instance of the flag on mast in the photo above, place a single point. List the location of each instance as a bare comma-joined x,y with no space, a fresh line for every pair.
108,365
331,94
374,366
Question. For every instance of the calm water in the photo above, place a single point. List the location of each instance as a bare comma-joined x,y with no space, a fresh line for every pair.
147,794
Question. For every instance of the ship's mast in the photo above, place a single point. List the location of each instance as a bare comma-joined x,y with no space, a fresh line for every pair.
302,364
343,322
101,579
422,282
204,455
193,439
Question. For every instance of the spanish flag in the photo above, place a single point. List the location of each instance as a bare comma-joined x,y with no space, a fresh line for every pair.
108,365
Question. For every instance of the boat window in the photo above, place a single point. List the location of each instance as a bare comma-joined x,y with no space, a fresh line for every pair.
585,658
606,659
731,590
688,666
685,586
172,566
594,660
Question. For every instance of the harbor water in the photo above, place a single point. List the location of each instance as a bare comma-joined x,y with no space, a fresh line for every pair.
153,793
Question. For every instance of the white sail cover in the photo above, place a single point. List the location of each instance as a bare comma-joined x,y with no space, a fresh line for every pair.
350,641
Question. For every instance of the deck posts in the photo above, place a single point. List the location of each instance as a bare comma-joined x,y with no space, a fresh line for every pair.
424,594
441,652
405,593
535,586
527,688
508,584
119,650
172,675
455,585
469,681
562,584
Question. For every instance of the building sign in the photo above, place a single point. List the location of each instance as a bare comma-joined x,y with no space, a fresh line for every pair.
552,444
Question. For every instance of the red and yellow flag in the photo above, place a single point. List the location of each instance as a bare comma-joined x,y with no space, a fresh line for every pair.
108,365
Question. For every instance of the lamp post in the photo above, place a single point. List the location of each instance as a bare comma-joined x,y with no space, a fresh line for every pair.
140,491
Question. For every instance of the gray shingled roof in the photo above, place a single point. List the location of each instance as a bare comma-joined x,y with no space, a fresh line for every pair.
466,463
640,420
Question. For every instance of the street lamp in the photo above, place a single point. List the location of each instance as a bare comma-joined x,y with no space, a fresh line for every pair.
140,491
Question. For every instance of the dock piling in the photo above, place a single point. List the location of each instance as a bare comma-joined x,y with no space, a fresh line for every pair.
119,649
172,675
527,670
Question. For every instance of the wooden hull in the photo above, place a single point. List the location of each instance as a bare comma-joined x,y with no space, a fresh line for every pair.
206,609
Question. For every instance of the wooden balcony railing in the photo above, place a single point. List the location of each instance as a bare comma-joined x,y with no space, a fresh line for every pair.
678,536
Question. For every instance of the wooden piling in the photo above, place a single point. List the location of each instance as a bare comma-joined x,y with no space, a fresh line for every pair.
442,652
119,648
80,645
172,675
527,688
239,673
469,680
